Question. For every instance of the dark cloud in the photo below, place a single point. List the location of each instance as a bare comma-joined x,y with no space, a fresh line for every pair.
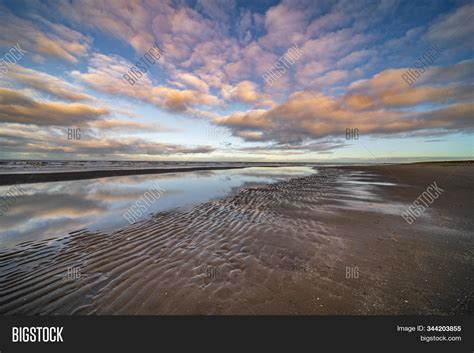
16,107
56,141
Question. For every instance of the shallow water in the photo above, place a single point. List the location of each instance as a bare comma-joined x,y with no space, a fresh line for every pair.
52,210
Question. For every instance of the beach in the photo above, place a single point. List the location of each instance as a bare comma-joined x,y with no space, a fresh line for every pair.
333,242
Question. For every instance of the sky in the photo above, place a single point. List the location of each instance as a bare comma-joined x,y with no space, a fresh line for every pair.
230,80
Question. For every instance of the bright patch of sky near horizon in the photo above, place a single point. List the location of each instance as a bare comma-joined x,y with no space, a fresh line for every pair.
206,99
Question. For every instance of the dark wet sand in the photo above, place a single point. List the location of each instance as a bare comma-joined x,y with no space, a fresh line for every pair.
279,249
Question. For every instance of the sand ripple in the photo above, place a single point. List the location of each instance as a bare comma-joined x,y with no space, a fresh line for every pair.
265,250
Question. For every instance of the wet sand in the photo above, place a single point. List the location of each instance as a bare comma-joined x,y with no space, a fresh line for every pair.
284,248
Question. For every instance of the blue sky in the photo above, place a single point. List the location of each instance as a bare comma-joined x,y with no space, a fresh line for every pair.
237,80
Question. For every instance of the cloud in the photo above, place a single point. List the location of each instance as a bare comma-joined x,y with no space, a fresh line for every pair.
318,147
218,10
284,24
248,62
372,106
436,85
126,125
182,31
193,81
454,29
247,92
330,78
30,140
16,107
19,106
42,38
48,84
105,74
245,120
129,21
355,57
